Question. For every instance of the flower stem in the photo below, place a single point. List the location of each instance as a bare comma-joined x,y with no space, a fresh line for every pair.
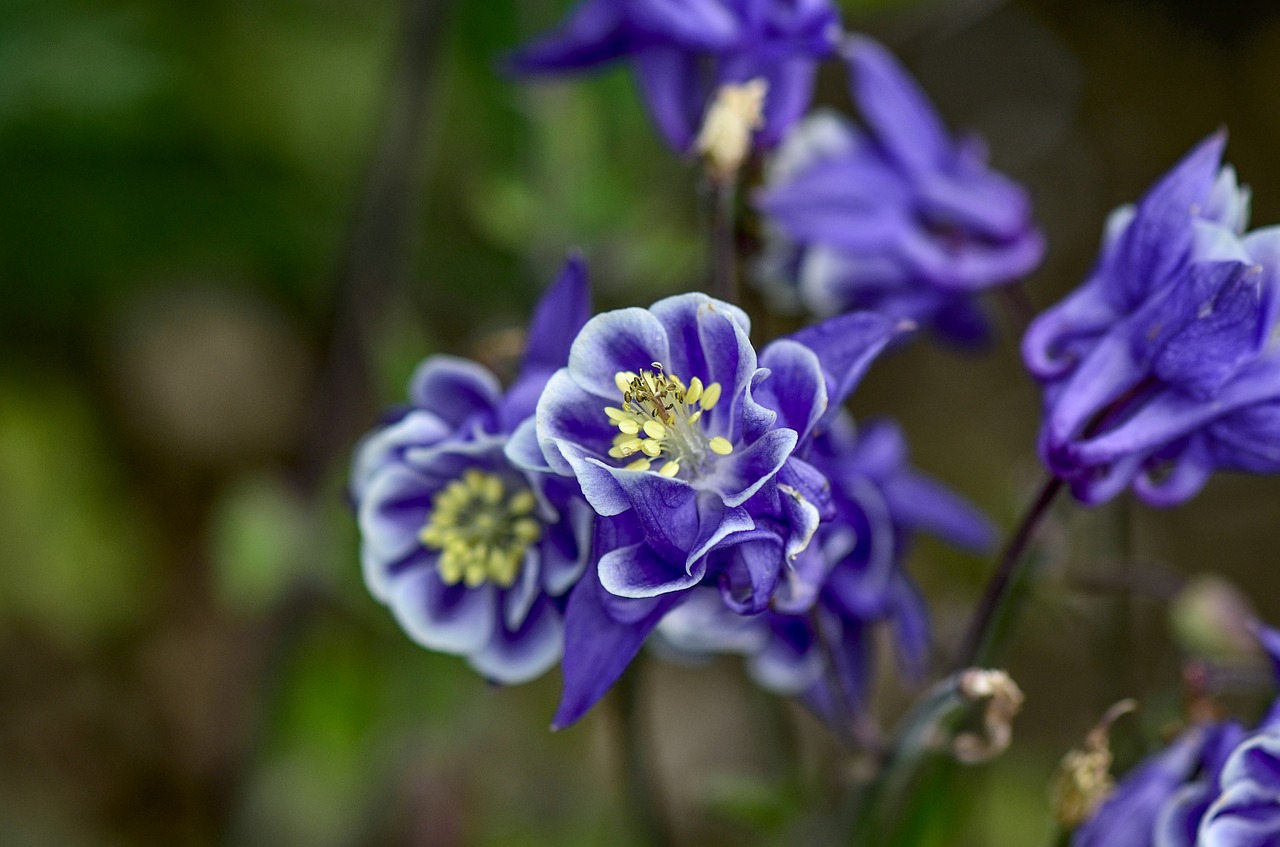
724,238
637,770
980,637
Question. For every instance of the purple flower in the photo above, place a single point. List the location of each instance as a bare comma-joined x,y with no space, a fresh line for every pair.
1247,811
815,641
683,441
899,218
471,554
1162,368
684,50
1216,785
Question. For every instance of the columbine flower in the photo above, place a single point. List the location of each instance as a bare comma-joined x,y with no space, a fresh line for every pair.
683,442
473,555
900,218
1164,365
851,579
1247,811
1214,786
684,52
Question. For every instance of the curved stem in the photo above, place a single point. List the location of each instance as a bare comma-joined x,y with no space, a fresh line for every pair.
980,635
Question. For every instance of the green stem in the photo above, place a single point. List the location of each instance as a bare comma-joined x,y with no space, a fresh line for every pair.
979,640
724,241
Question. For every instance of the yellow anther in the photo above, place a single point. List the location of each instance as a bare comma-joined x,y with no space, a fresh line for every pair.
616,414
526,530
695,391
629,427
670,469
710,396
623,380
474,575
693,418
650,448
719,445
653,429
522,503
638,465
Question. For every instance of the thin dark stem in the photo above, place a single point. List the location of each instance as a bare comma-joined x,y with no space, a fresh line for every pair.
979,636
724,241
637,769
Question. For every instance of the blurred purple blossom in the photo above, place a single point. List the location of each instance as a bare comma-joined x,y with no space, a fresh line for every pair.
898,217
682,52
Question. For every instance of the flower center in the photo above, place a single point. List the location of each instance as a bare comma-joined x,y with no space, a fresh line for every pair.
660,417
481,529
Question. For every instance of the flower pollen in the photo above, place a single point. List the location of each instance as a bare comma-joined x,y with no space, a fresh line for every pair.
481,529
660,417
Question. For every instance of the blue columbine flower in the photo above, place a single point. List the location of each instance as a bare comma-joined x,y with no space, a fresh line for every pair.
814,642
1215,785
473,555
684,51
1164,366
898,218
683,441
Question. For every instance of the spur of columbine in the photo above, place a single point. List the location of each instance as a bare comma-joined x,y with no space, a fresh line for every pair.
473,555
1164,366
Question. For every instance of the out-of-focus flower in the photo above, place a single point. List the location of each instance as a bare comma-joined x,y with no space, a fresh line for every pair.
683,442
473,555
815,640
1215,785
683,52
1164,365
898,218
1247,811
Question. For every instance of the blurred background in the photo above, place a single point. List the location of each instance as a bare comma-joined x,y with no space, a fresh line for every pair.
228,231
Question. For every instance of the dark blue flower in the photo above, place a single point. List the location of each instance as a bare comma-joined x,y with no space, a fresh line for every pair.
1216,785
815,640
683,441
899,218
473,555
1246,812
1163,367
684,50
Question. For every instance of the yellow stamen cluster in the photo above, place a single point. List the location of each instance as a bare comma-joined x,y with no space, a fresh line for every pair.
481,529
659,418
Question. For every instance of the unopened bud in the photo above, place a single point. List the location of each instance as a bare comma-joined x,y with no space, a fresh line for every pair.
734,116
1084,778
1002,699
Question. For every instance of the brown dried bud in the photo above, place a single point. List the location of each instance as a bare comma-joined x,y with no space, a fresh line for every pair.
1083,779
1002,699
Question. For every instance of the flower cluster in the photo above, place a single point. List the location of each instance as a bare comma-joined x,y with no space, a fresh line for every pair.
1215,785
1164,365
473,555
898,218
683,52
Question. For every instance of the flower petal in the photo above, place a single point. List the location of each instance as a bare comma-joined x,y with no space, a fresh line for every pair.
639,571
621,340
897,110
846,346
449,618
518,655
592,35
669,79
796,388
598,648
457,390
741,474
